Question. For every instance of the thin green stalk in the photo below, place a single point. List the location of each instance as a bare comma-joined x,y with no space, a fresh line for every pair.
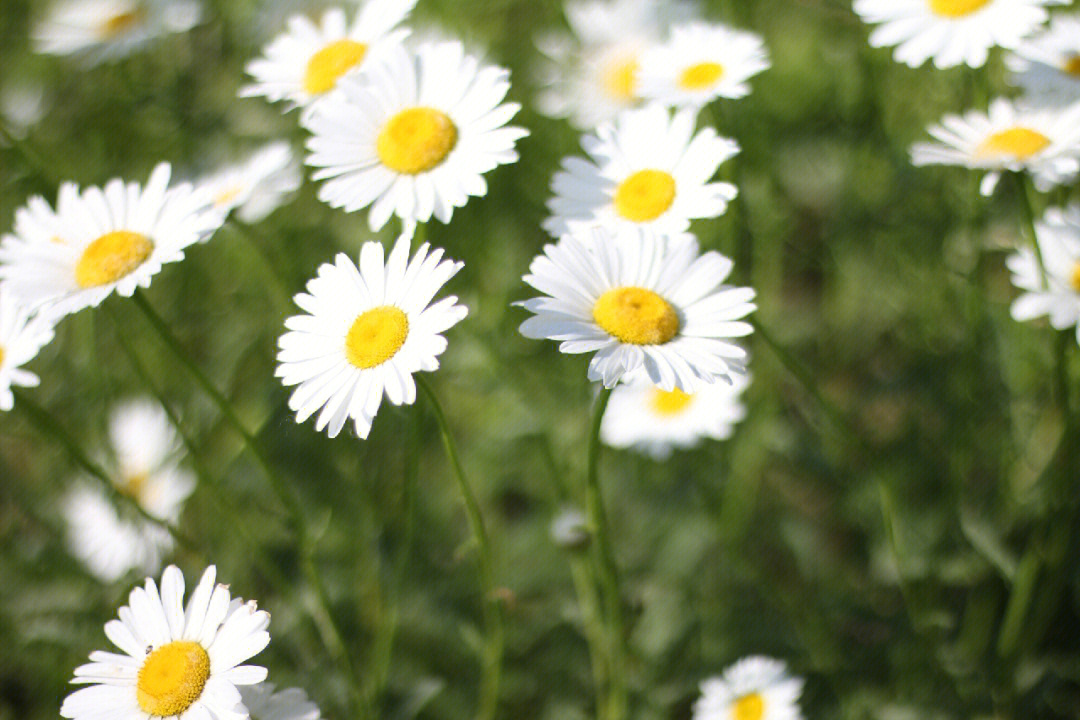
1023,188
493,620
593,624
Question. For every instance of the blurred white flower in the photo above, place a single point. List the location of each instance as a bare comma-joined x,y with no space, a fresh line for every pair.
263,703
570,529
1047,65
22,105
22,335
257,186
754,688
1058,297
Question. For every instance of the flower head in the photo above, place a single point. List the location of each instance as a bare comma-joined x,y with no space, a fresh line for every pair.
754,688
1058,296
255,188
263,703
22,335
1047,65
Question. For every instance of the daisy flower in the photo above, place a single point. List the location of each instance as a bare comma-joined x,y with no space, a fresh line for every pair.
101,30
755,688
647,169
637,300
1058,297
951,32
22,335
701,62
1043,142
413,134
263,703
591,74
100,241
256,187
570,529
306,62
177,662
366,331
642,416
1047,65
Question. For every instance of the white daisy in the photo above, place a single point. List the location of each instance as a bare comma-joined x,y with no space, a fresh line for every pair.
570,529
413,134
755,688
951,32
306,62
642,416
591,73
101,30
256,187
701,62
1044,142
177,662
22,335
648,169
100,241
637,300
263,703
368,329
1047,65
1059,296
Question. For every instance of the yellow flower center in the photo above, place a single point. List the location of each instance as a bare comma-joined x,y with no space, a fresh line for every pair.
121,23
748,707
1074,281
1072,66
1,356
326,66
132,485
636,316
416,140
673,402
955,8
375,336
111,257
226,196
172,678
700,76
1020,142
645,195
620,79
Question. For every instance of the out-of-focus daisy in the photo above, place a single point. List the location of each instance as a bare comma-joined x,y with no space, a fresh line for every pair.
1058,297
101,240
413,134
648,169
22,105
1043,142
306,62
22,335
366,331
1047,65
256,187
570,529
637,300
263,703
592,73
642,416
107,543
701,62
177,662
101,30
754,688
951,32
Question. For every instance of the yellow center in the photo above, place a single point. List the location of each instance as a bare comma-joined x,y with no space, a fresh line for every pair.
1072,66
955,8
1020,142
645,195
671,402
121,23
636,316
132,485
326,66
416,140
748,707
1074,281
376,336
172,678
1,356
228,195
620,79
111,257
700,76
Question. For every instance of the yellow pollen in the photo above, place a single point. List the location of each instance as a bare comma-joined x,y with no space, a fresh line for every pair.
132,485
645,195
700,76
1019,142
375,336
620,79
955,8
228,195
748,707
1,356
416,140
326,66
111,257
121,23
1074,282
673,402
172,678
1072,66
636,316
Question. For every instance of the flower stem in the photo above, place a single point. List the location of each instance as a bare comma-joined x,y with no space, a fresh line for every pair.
270,267
1023,188
493,620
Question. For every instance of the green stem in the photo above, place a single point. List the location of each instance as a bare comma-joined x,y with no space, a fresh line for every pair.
593,623
32,158
1023,187
493,621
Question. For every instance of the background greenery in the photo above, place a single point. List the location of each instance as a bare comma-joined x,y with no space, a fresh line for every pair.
908,545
